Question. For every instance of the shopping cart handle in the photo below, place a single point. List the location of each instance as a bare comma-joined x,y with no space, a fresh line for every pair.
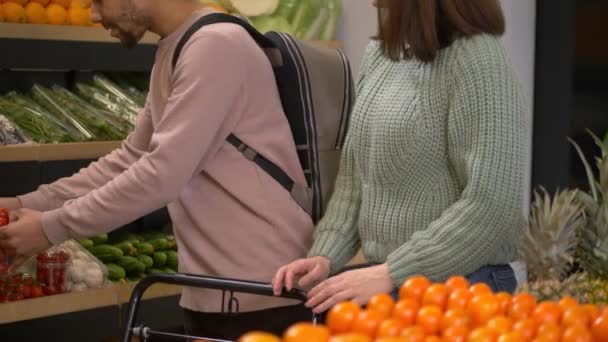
214,283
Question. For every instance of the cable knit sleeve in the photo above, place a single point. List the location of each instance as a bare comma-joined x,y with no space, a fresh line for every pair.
337,236
486,151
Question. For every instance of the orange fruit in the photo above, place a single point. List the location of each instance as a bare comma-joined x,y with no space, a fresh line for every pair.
350,338
599,328
454,317
436,294
366,323
500,324
526,327
504,300
575,315
593,312
340,318
19,2
406,310
301,332
567,302
413,334
56,15
551,331
482,308
480,288
547,312
521,309
35,13
382,303
63,3
78,16
42,2
390,328
512,336
455,333
577,333
429,319
13,12
457,282
459,298
524,298
483,334
259,337
432,339
80,3
414,287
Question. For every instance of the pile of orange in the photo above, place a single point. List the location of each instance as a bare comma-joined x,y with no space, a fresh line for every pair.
54,12
452,311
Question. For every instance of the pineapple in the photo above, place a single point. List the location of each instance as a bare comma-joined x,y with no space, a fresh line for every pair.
549,244
592,252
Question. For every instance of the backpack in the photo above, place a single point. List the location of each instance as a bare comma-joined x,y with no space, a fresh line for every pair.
316,89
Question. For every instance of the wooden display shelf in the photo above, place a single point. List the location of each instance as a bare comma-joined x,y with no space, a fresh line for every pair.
112,295
63,33
64,151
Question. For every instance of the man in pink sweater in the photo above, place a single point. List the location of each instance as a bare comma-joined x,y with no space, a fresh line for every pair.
231,218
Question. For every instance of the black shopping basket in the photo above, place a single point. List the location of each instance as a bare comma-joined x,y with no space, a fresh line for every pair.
227,286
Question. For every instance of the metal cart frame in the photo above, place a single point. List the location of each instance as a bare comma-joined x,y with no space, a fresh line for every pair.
224,284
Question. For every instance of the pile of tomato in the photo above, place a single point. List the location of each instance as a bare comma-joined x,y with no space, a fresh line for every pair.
3,258
51,270
452,311
18,287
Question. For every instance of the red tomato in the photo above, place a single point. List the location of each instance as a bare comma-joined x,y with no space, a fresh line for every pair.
3,221
37,291
4,212
25,290
49,290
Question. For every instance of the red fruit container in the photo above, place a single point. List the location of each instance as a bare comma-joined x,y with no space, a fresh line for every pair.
51,270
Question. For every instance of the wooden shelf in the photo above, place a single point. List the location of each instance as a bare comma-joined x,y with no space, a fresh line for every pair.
64,33
112,295
65,151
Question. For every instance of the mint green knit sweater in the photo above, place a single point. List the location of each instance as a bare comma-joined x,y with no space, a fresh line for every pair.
431,177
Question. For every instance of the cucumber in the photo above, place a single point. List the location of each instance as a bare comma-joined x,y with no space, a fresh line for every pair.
144,248
146,260
86,243
100,239
160,259
127,248
129,263
160,244
156,270
172,260
115,272
169,270
106,253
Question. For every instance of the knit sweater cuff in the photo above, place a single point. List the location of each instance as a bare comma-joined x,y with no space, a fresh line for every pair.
339,248
34,200
402,267
55,232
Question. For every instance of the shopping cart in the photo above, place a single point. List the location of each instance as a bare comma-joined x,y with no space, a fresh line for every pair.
228,287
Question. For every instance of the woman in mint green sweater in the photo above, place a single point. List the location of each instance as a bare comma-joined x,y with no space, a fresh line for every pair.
431,176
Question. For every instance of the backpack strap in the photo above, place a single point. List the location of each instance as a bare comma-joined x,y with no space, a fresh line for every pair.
301,194
215,18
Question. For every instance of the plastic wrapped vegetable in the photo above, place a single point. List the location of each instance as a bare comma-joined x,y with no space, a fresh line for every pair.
335,12
102,127
251,8
34,121
106,102
45,98
272,23
10,134
120,95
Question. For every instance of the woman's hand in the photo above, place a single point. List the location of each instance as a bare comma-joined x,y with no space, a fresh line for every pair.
305,272
358,286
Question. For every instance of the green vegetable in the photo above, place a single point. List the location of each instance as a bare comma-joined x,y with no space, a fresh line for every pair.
135,278
169,270
160,244
172,260
335,11
115,272
140,268
310,18
86,243
160,259
156,270
146,260
144,248
127,248
287,9
130,264
106,253
252,8
272,23
100,239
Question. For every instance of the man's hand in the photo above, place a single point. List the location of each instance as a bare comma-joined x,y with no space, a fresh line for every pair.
304,273
358,286
10,203
23,237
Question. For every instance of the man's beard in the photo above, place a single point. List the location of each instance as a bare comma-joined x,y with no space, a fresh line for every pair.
130,40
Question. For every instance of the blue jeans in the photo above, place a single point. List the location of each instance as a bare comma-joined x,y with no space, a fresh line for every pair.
498,277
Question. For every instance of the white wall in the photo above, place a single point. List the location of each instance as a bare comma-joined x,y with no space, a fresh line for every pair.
359,23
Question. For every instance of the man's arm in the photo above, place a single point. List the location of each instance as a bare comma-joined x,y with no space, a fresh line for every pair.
97,174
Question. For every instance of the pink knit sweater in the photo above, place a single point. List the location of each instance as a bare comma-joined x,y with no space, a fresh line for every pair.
231,219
